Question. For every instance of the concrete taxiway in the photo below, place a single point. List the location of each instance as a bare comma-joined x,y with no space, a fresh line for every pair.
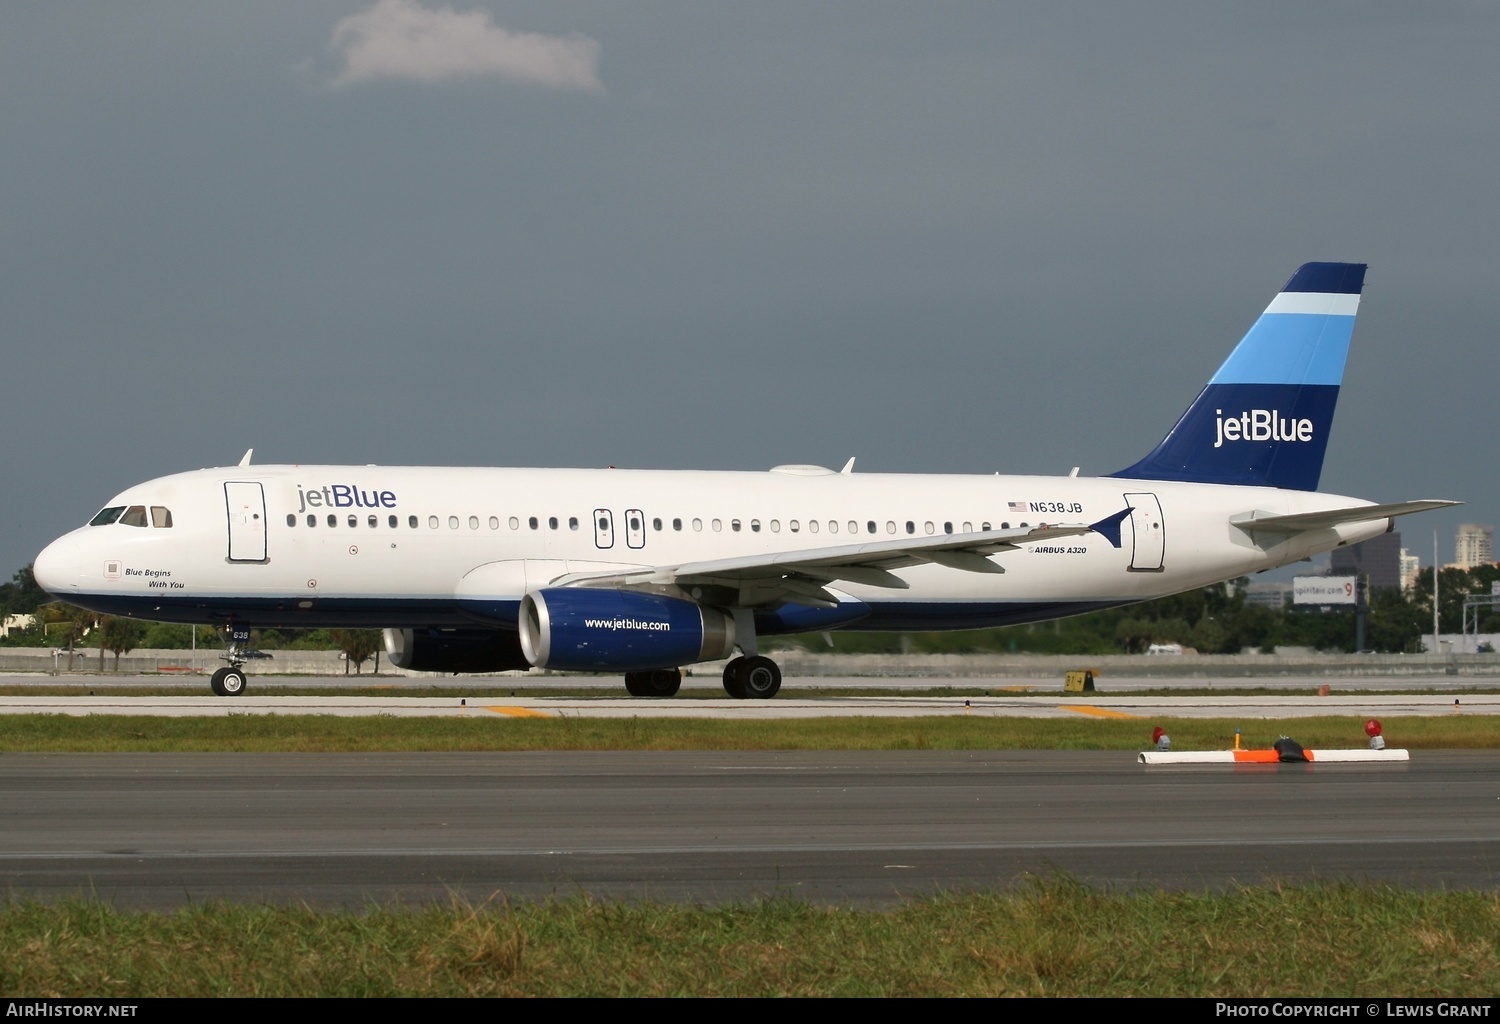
787,705
163,830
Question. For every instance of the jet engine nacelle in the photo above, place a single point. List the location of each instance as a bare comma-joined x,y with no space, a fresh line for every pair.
619,630
454,650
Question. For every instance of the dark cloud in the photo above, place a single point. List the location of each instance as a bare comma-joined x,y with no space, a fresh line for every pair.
950,237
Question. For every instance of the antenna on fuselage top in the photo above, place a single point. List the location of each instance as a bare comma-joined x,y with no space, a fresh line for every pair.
246,460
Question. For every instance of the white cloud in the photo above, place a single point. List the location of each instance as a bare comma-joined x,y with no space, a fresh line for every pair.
401,39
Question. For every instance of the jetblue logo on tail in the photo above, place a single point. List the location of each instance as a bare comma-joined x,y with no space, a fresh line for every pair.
1264,418
1260,425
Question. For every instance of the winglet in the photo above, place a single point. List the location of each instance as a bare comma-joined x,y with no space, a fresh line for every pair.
1109,528
848,466
246,460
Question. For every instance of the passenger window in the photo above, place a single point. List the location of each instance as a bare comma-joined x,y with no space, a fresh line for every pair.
947,527
890,527
473,522
333,520
697,526
494,522
755,526
776,526
572,522
551,522
411,522
812,526
291,519
968,527
161,518
453,522
734,524
1005,526
656,525
432,522
134,516
929,528
984,526
793,526
911,527
870,526
717,525
532,522
833,526
515,524
107,516
374,521
853,526
353,521
393,521
312,520
677,524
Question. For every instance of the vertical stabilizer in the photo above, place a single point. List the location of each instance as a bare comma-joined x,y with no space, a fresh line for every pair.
1264,418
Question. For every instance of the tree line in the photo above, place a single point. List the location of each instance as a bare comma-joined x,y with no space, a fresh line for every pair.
1211,620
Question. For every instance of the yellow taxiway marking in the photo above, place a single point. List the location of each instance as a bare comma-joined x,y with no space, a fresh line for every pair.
520,712
1084,709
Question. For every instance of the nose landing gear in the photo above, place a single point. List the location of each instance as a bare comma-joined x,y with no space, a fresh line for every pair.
231,680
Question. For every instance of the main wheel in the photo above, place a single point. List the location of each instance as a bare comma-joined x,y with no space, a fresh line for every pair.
216,682
761,678
734,683
664,682
232,682
635,684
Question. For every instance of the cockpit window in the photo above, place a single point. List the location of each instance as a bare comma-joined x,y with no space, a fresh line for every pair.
135,515
161,518
107,515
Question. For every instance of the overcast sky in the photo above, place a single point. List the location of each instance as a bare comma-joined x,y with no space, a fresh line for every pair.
942,237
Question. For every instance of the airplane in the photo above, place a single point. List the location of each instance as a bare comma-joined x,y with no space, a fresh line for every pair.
644,572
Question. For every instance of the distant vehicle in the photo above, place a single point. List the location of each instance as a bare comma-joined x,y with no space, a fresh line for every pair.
1164,649
643,572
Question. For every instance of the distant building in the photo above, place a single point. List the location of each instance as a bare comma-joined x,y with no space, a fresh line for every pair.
1475,546
11,622
1379,558
1411,568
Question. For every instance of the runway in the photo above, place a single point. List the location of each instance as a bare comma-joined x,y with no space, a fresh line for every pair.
163,830
788,705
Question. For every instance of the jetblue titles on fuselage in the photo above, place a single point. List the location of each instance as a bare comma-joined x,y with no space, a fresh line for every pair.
342,496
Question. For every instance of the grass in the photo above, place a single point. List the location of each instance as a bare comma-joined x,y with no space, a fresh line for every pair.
482,731
1055,937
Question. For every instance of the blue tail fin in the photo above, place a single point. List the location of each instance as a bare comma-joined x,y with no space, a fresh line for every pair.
1264,417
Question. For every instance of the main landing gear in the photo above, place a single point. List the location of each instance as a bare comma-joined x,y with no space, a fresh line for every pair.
755,678
661,682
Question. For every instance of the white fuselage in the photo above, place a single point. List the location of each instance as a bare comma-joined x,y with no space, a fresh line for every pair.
392,546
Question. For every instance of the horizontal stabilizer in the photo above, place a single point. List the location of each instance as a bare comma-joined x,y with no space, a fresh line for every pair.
1299,521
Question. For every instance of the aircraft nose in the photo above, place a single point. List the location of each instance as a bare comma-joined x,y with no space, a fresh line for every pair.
57,569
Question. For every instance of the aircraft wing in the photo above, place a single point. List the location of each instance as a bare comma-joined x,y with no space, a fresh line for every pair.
801,575
1299,521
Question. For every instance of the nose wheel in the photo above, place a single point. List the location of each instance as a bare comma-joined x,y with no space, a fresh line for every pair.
231,680
228,682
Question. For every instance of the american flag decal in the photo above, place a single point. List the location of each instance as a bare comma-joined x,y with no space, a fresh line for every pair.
1017,506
